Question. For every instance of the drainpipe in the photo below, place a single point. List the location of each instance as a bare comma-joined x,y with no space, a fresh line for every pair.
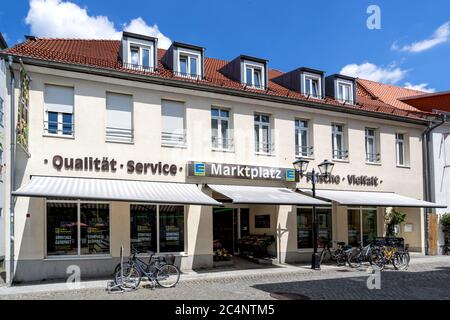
426,139
11,170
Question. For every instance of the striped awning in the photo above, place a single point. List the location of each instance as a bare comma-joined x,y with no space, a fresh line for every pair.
371,198
265,195
115,190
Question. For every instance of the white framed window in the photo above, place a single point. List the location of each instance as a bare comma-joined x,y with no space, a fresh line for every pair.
338,142
119,117
312,85
140,57
402,149
58,108
189,63
254,75
221,138
345,91
263,134
77,228
302,139
173,131
372,153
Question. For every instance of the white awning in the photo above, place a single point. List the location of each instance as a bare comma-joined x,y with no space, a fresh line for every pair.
265,195
367,198
115,190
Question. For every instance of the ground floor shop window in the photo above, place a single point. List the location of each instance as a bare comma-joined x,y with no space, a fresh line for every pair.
149,236
305,227
362,225
77,228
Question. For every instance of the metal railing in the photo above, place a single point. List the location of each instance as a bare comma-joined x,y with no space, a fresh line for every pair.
138,67
173,138
372,157
119,134
222,143
340,154
304,151
265,148
187,75
53,127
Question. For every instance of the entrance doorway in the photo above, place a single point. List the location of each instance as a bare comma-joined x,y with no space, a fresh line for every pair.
362,225
229,225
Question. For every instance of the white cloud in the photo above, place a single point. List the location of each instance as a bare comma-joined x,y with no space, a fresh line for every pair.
439,36
390,74
65,19
419,87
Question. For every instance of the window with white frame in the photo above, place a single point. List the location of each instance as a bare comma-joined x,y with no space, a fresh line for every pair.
302,139
58,119
372,154
401,147
312,86
345,91
140,57
76,228
147,235
119,117
189,63
220,129
173,131
263,135
254,75
338,142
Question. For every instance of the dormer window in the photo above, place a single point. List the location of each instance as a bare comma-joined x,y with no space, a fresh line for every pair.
138,52
254,75
312,85
345,91
188,65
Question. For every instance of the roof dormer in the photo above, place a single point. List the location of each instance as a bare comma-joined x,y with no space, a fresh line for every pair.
309,82
139,52
185,60
341,88
249,71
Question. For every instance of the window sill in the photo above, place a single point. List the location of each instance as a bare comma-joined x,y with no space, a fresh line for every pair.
60,136
180,146
117,141
373,163
85,257
265,154
403,166
305,250
222,150
341,160
304,157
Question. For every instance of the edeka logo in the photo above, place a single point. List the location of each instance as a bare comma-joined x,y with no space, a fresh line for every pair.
236,171
199,169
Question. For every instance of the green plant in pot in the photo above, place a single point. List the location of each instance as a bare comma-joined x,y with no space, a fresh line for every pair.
393,218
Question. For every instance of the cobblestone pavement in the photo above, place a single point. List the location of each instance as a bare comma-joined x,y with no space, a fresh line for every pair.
429,280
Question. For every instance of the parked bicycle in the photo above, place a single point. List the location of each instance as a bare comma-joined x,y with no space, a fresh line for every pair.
391,254
359,255
159,270
338,255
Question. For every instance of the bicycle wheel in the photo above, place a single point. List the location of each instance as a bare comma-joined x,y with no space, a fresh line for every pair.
325,256
130,279
354,258
167,276
400,261
378,258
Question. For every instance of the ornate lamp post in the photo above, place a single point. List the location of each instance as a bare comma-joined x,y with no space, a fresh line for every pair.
325,168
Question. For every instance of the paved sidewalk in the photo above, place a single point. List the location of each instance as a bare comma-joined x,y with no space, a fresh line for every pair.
224,277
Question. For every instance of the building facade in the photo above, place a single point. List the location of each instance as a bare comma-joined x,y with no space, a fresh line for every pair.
170,151
3,95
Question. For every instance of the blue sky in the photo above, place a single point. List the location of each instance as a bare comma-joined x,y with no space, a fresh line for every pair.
411,48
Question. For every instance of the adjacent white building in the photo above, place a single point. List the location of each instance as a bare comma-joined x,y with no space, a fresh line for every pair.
3,85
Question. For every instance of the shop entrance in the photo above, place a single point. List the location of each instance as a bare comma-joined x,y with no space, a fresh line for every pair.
229,225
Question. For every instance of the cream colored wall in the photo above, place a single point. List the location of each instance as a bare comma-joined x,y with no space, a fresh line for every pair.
89,140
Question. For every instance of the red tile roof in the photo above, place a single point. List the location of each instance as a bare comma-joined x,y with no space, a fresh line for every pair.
430,102
105,54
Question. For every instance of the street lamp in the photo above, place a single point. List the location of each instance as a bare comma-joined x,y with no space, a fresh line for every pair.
325,168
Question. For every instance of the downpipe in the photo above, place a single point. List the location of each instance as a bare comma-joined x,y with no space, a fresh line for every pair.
426,139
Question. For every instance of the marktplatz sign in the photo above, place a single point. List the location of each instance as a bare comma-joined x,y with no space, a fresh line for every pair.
237,171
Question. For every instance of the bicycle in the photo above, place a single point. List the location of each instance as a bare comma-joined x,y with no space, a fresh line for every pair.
389,253
359,255
158,271
338,255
